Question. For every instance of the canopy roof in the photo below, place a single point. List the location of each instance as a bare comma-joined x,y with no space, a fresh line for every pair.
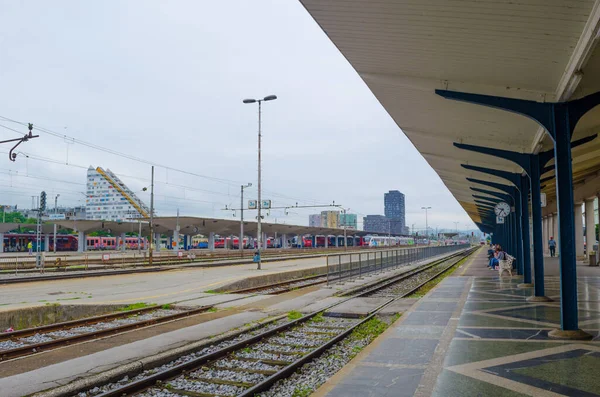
187,226
542,50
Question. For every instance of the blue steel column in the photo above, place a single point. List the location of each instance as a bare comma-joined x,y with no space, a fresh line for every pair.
559,119
526,243
538,247
566,223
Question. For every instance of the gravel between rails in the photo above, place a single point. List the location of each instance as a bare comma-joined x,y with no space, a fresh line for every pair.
231,375
61,334
188,357
313,374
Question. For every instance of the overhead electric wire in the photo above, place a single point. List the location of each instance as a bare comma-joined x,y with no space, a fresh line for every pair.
134,158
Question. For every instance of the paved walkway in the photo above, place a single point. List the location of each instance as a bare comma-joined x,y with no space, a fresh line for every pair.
477,336
164,287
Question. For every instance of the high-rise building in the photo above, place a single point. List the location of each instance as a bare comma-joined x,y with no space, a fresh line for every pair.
314,220
108,198
349,221
394,210
330,219
376,224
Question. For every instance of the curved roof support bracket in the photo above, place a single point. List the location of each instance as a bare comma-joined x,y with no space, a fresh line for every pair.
559,119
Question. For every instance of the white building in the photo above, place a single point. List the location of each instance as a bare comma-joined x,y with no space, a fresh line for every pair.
108,198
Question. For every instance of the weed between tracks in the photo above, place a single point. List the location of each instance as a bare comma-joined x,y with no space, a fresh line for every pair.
294,315
421,292
135,306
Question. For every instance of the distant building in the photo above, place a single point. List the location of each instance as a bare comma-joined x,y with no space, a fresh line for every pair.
349,221
108,198
70,213
375,224
330,219
394,210
314,220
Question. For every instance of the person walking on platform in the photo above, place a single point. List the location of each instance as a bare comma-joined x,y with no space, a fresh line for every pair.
30,247
552,246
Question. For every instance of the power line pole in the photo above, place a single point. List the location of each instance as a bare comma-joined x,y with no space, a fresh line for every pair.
55,212
151,217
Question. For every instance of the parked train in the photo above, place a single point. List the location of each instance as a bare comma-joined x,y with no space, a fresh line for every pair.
17,242
110,243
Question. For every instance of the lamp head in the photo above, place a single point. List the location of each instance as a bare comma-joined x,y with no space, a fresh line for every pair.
249,100
270,98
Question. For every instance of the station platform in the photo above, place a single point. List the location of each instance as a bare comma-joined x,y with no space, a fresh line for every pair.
171,286
475,335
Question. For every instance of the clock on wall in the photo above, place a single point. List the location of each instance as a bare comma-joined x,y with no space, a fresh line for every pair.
502,209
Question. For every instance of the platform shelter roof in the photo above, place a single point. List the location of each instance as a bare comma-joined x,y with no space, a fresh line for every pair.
532,49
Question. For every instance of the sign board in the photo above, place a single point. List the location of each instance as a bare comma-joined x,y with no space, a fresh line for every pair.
56,217
499,219
105,257
252,204
543,199
180,254
266,204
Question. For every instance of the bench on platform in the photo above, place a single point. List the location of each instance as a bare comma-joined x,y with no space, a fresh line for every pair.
506,265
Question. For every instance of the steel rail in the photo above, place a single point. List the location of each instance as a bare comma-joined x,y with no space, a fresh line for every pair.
394,279
44,346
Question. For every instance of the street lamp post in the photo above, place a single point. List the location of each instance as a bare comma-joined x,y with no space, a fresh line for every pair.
426,223
259,203
55,212
241,239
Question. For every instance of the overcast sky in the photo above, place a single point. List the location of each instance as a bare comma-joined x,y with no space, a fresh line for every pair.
164,81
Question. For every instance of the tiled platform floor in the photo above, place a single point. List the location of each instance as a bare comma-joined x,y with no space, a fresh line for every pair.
477,336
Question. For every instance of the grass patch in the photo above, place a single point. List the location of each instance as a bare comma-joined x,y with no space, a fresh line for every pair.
135,306
166,306
212,291
421,292
212,310
365,334
69,299
369,330
294,315
302,391
318,318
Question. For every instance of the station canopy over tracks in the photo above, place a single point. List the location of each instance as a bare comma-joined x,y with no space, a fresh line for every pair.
539,50
187,226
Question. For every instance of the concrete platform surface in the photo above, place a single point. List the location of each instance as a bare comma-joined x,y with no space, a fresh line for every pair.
356,307
164,287
478,336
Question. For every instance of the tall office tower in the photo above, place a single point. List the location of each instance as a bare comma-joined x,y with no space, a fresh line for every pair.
394,210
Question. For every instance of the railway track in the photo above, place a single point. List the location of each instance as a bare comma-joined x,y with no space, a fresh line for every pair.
285,286
34,340
407,283
247,366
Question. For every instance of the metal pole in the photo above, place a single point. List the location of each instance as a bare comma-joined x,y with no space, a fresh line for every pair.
345,239
258,229
241,239
151,217
140,237
55,212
